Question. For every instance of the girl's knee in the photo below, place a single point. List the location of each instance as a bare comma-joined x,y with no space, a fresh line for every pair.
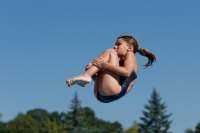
111,51
110,55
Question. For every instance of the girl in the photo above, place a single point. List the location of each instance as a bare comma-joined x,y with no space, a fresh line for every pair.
113,77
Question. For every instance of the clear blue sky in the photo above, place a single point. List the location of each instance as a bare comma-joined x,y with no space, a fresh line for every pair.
42,43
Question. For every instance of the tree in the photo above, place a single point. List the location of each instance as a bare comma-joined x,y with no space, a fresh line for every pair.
74,119
58,117
22,124
2,125
90,120
38,114
189,131
48,126
155,120
95,125
133,128
83,120
197,129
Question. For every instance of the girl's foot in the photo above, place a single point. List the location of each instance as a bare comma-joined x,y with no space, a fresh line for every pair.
80,80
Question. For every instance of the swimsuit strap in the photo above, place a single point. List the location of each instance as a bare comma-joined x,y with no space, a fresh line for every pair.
132,77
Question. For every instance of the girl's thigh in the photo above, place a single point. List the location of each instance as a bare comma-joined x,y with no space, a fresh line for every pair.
109,83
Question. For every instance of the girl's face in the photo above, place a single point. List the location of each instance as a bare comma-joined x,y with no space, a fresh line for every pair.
121,47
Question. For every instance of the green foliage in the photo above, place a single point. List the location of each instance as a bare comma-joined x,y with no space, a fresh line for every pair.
74,118
189,131
2,127
95,125
48,126
83,120
38,114
133,128
155,120
22,124
77,120
108,127
89,119
58,117
197,129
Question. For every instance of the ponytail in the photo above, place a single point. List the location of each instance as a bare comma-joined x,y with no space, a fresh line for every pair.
144,52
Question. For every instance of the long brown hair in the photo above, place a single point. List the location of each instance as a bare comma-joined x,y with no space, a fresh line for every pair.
142,51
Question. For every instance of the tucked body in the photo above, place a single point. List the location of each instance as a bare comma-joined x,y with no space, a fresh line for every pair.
115,70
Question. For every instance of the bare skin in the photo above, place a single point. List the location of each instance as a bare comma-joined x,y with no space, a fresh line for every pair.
85,78
107,68
82,80
104,83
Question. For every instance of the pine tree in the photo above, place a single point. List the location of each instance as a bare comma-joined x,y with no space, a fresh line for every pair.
155,120
74,118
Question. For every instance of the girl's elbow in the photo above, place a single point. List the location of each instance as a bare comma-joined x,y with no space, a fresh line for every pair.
128,74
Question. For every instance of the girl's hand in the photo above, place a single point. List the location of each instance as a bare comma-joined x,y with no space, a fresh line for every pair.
88,66
99,62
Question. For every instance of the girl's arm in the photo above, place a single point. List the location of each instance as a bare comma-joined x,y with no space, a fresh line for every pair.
125,70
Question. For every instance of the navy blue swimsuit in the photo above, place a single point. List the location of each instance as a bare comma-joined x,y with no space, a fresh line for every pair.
124,82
